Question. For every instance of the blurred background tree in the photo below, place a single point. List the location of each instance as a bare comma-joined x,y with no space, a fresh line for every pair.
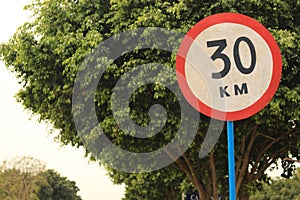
280,189
25,178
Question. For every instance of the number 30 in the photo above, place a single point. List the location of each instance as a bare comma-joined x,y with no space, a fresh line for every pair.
222,44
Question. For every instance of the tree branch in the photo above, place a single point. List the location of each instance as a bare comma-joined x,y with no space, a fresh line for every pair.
262,152
213,175
292,160
240,160
195,179
244,167
266,136
268,163
180,164
187,168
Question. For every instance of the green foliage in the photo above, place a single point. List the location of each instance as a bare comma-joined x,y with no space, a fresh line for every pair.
167,184
26,178
45,55
279,189
19,178
57,187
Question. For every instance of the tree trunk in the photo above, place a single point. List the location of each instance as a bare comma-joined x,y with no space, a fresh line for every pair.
213,175
244,194
203,194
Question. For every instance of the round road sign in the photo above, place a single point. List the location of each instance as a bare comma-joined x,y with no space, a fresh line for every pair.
228,66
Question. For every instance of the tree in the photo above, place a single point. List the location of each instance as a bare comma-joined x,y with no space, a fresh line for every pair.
27,178
19,178
168,183
279,189
57,187
45,55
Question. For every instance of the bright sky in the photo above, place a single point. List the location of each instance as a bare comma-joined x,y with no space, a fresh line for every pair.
21,136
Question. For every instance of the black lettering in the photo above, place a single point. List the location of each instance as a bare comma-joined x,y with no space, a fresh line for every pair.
222,44
218,54
237,57
223,92
242,90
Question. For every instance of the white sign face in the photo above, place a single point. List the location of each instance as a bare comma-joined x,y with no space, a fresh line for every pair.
231,64
241,85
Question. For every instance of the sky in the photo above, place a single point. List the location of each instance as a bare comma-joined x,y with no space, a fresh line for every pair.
22,135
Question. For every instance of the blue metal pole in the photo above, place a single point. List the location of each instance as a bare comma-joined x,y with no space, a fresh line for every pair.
231,165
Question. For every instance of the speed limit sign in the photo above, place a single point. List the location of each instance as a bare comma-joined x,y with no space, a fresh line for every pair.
228,66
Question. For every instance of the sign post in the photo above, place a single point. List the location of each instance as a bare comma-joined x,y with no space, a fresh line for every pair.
228,67
231,165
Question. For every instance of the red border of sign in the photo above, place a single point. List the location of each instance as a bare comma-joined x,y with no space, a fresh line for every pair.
185,46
